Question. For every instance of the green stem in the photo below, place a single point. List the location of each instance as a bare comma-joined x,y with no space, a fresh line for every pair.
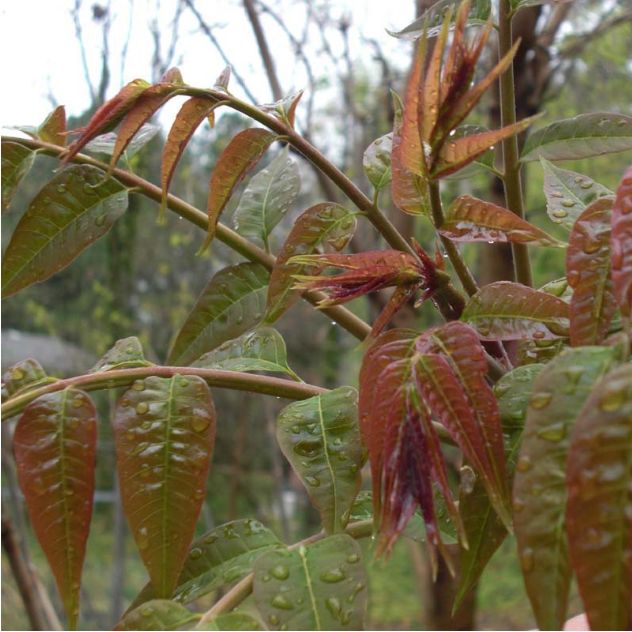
463,272
235,380
241,590
341,315
511,162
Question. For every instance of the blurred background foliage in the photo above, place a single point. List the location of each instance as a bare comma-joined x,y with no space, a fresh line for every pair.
143,278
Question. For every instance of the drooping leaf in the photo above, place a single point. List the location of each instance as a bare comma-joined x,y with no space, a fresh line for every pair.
164,433
485,531
158,614
53,129
599,509
583,136
471,219
539,492
267,198
432,18
320,438
231,304
16,162
126,353
55,448
188,119
323,227
106,143
588,272
107,117
568,193
259,350
240,155
322,586
377,161
509,311
23,376
221,556
69,213
231,621
621,244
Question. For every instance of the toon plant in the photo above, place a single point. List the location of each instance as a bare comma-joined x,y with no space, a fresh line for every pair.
532,386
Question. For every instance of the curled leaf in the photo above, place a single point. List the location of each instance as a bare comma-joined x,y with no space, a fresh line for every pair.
53,129
16,162
377,161
126,353
24,376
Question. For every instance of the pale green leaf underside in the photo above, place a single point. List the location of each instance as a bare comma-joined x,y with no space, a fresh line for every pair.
16,162
377,161
231,621
158,614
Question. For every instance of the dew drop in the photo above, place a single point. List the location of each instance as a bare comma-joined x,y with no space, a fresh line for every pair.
199,423
296,429
280,572
333,576
77,402
146,425
147,611
61,188
540,400
567,203
586,184
353,558
560,213
17,374
334,606
129,435
590,247
210,539
282,602
312,481
273,619
142,408
195,554
143,538
99,221
527,559
524,463
138,385
265,578
554,432
612,400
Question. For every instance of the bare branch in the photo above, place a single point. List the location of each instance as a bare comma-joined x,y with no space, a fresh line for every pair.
75,13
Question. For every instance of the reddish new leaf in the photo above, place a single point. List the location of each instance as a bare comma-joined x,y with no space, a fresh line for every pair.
188,119
588,272
471,219
621,244
164,433
510,311
599,509
322,227
107,116
55,449
53,129
240,155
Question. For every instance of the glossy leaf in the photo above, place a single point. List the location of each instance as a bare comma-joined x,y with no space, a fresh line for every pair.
323,227
322,586
23,376
220,557
55,444
588,272
509,311
240,155
164,433
53,129
621,244
231,621
267,198
485,531
69,213
583,136
158,614
471,219
320,438
539,492
485,160
106,143
377,161
189,118
126,353
568,193
599,509
231,304
432,18
16,162
259,350
107,117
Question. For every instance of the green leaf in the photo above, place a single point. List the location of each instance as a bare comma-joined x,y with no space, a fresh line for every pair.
219,557
16,162
539,493
484,529
317,587
432,18
323,227
126,353
158,614
23,376
583,136
231,304
509,311
521,4
53,129
107,143
231,621
267,198
164,432
55,444
69,213
320,438
599,510
377,161
568,193
259,350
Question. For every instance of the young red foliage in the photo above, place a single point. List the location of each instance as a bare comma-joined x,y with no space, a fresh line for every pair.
621,244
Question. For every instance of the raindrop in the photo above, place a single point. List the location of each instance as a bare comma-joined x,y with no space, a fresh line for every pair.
147,611
273,619
282,602
143,538
210,539
567,203
280,572
142,408
527,559
138,385
312,481
540,400
99,221
334,606
524,463
333,576
554,432
559,213
586,184
265,578
129,435
77,402
17,374
200,423
590,247
195,554
612,400
61,188
353,558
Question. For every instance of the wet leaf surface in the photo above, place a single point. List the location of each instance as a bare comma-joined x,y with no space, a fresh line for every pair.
232,621
621,244
126,353
16,162
158,614
377,161
23,376
53,129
